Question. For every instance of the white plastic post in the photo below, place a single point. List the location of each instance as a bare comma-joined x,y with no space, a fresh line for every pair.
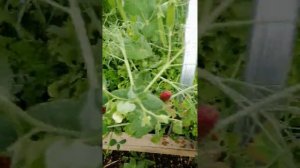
191,45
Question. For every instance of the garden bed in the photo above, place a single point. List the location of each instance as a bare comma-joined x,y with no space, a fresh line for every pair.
118,159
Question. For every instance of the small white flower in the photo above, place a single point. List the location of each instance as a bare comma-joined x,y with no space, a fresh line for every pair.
118,117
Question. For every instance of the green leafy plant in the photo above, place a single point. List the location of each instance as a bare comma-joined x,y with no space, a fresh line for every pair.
136,34
224,32
49,90
113,142
137,161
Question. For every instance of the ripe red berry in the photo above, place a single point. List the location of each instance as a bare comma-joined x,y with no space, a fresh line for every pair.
207,119
165,95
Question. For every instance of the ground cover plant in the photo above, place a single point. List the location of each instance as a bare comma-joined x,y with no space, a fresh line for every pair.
49,86
142,58
224,32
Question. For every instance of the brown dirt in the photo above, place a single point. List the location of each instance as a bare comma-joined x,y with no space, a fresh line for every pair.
114,160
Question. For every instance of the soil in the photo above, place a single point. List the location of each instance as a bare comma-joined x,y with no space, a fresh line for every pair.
115,160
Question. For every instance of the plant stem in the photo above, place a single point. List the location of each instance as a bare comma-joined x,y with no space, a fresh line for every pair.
161,28
118,125
86,49
205,24
58,6
122,48
112,95
256,107
183,91
170,45
165,67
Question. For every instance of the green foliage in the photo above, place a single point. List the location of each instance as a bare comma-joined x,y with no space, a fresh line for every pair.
133,163
223,54
142,56
44,86
137,161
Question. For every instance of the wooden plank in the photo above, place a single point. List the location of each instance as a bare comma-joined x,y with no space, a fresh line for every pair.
168,146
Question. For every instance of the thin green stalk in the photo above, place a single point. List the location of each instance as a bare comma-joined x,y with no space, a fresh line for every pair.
183,91
118,125
170,45
161,29
256,107
57,5
85,46
122,47
112,95
205,24
165,67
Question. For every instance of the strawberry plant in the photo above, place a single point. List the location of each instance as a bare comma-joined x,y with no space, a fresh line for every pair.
143,48
223,36
49,83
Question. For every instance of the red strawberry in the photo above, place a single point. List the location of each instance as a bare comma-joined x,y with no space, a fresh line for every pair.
207,119
165,95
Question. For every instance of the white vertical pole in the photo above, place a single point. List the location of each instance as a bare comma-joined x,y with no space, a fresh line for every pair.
191,45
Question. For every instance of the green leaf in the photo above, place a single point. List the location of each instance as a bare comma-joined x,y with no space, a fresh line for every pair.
112,142
125,107
139,8
123,141
138,50
60,113
150,30
30,153
163,118
131,94
122,93
72,154
118,146
131,164
6,75
135,127
146,120
158,133
152,102
8,134
177,127
143,78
